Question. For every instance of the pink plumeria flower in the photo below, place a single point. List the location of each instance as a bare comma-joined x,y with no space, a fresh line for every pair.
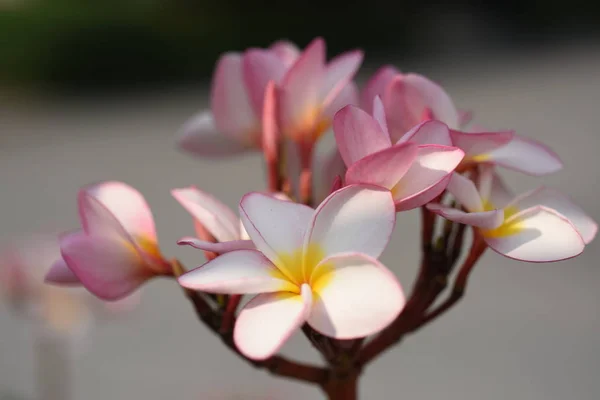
414,173
117,249
409,99
312,91
539,226
316,266
233,124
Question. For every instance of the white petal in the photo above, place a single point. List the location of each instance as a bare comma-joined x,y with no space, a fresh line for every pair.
276,226
356,297
356,218
527,156
215,216
542,235
238,272
561,203
465,192
268,320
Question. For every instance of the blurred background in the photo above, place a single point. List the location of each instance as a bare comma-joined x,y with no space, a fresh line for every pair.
96,90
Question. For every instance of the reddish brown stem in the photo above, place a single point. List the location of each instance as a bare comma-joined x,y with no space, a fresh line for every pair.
229,314
460,284
342,388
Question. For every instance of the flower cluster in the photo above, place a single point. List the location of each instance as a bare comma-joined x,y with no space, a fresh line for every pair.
309,253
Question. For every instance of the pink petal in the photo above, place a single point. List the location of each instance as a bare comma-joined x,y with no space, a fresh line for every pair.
348,96
562,204
238,272
376,86
428,132
409,96
107,266
219,248
379,115
215,216
357,134
59,273
427,177
384,168
132,212
300,89
276,226
527,156
338,73
482,219
287,52
544,236
230,102
271,138
476,144
356,218
268,320
465,192
357,298
259,67
127,205
199,136
330,167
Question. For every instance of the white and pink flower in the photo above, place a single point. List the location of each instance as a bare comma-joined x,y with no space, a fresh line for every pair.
539,226
316,266
117,249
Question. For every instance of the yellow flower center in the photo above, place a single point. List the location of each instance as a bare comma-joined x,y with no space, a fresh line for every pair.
300,266
506,229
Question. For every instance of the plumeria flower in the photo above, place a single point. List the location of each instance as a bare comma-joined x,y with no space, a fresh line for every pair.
539,226
316,266
234,123
410,99
415,173
117,250
312,91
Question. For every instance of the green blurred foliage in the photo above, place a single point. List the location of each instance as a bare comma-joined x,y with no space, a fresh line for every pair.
91,45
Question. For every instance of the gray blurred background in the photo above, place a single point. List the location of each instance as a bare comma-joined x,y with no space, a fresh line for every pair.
94,91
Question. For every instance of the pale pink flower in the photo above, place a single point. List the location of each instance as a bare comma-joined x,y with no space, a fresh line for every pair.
409,99
414,173
312,91
117,250
315,266
233,123
539,226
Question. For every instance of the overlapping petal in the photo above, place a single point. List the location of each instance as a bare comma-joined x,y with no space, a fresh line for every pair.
357,297
482,219
376,86
428,132
344,223
527,156
480,143
357,134
215,216
275,226
338,73
562,204
106,265
259,68
465,192
427,177
540,235
238,272
60,274
268,320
